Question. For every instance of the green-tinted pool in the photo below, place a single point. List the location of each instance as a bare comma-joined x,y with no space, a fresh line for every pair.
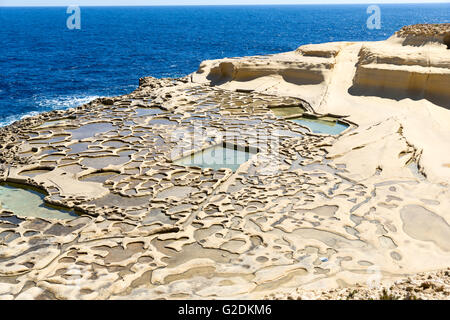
218,157
286,111
24,201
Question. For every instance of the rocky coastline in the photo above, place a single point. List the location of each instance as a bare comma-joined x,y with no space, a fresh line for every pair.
342,192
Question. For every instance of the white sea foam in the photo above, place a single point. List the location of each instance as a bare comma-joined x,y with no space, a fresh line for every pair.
15,117
48,104
63,102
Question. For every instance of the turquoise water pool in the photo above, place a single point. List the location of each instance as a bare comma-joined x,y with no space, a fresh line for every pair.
322,126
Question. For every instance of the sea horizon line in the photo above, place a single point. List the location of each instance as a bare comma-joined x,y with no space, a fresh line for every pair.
230,5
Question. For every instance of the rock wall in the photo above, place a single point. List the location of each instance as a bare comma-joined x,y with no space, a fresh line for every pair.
409,72
405,78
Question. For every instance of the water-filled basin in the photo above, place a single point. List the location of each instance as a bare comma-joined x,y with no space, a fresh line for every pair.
322,126
218,157
26,201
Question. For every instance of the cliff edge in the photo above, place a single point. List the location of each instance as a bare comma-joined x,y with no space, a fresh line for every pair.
402,80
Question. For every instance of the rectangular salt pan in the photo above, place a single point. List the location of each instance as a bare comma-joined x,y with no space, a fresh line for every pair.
218,157
322,126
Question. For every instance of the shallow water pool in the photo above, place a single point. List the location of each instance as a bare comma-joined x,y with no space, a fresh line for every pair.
91,129
25,201
286,111
218,157
322,126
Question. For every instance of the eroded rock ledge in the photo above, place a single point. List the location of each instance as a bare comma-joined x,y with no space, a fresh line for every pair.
307,212
370,82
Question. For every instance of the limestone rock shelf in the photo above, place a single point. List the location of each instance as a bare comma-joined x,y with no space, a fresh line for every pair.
303,212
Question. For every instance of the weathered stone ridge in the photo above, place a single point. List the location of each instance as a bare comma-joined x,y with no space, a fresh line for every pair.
424,29
370,82
305,214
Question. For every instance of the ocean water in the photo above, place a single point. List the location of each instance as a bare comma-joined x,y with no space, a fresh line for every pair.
44,65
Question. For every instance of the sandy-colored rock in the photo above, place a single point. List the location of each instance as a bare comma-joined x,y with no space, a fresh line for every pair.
306,215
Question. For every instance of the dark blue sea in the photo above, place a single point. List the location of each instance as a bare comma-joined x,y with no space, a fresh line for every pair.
44,65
